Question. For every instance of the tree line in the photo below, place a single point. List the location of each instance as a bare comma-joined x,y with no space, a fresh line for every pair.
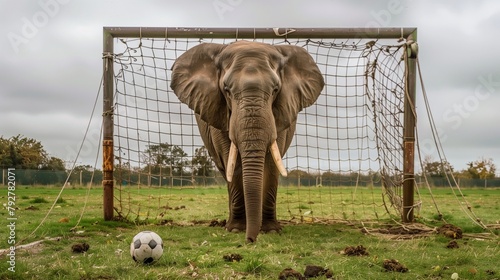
21,152
482,168
34,165
166,164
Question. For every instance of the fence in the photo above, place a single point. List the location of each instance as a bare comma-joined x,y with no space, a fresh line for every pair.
30,177
84,177
464,182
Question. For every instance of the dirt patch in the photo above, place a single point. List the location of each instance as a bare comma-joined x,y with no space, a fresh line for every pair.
317,271
232,257
31,207
103,277
359,250
289,273
212,223
406,231
166,222
451,231
452,245
312,271
394,265
167,207
80,248
217,223
409,231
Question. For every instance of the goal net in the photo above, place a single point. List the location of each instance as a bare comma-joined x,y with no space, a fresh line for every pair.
346,160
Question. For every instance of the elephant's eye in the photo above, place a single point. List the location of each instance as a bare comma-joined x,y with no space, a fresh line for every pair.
226,89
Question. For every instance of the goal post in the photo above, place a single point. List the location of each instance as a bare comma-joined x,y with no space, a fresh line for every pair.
406,143
409,130
107,114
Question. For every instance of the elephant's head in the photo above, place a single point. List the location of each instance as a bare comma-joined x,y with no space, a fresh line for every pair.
253,91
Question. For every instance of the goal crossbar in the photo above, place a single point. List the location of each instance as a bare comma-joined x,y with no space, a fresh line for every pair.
265,33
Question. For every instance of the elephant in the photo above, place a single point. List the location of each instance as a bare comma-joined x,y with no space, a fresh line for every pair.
246,97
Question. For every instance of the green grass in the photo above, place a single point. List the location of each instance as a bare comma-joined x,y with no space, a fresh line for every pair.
39,200
193,250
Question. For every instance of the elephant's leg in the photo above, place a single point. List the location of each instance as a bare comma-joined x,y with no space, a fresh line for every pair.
237,215
271,177
217,143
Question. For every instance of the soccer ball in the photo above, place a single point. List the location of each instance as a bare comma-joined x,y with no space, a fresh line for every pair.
146,247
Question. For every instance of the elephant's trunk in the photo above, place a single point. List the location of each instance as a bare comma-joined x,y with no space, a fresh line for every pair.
252,133
252,168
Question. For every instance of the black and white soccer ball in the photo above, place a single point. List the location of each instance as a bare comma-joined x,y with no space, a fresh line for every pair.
146,247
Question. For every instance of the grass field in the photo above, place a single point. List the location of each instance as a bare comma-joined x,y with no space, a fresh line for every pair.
193,250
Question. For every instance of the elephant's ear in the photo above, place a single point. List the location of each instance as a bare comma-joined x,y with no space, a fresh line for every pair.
195,82
302,83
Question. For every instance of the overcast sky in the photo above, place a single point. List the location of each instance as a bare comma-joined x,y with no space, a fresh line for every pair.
51,62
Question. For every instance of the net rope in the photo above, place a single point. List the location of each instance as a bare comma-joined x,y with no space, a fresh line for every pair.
351,137
345,161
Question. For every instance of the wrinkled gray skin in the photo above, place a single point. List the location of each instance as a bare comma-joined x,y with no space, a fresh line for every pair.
250,94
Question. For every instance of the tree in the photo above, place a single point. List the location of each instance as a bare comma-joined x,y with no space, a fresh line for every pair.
482,169
54,163
166,156
122,172
302,178
9,157
436,168
202,164
26,153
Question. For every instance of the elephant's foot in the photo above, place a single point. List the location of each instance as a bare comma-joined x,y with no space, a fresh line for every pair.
271,226
236,226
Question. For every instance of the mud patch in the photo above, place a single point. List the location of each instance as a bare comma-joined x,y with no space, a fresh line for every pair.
167,207
317,271
289,273
217,223
406,231
450,231
232,257
359,250
394,265
80,248
452,245
312,271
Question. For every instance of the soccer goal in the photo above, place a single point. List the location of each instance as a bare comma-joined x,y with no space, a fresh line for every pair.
356,141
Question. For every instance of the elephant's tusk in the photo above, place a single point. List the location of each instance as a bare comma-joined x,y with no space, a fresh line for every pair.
275,152
231,162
